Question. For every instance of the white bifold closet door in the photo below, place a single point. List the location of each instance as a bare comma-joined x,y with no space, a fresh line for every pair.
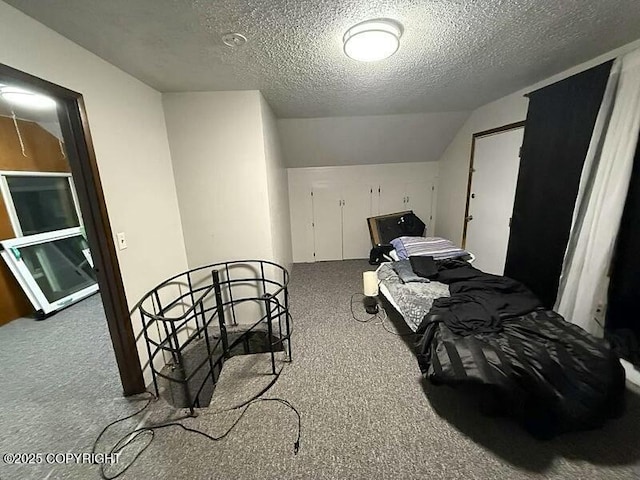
340,229
420,200
356,208
392,198
496,161
327,223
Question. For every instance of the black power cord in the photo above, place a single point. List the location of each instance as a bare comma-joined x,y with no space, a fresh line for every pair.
381,315
149,431
370,317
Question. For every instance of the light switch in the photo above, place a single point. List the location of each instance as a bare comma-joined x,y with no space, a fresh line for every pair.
122,241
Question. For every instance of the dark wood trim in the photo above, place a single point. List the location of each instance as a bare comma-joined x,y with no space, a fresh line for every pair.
484,133
84,168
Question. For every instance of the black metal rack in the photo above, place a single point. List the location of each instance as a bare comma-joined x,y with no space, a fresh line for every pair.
193,308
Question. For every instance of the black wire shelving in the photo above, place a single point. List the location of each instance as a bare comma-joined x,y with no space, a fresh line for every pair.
215,309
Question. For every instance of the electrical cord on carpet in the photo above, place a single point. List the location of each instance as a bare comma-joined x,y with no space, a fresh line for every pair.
371,316
149,431
381,315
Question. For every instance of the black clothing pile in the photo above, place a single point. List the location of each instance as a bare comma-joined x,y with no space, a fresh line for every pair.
493,334
377,253
479,301
424,266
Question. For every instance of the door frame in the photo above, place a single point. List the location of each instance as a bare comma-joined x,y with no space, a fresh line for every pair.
74,124
484,133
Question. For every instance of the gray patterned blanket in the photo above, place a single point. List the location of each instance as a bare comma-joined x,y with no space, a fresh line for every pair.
414,299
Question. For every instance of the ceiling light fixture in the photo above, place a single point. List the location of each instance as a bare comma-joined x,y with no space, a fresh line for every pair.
25,98
372,40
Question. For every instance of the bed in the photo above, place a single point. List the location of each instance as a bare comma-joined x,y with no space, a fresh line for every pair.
527,362
398,236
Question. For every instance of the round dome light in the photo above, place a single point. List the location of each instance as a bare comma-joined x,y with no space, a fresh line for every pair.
372,40
25,98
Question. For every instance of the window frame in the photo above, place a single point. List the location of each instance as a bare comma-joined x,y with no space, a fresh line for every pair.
10,204
25,277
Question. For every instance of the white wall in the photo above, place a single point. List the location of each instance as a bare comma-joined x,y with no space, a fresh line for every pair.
217,147
454,163
334,141
231,184
130,141
277,187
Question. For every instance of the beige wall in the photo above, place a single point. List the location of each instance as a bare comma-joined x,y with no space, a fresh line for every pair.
278,189
367,140
129,135
217,146
454,163
231,185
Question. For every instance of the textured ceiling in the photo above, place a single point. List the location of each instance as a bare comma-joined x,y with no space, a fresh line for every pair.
454,54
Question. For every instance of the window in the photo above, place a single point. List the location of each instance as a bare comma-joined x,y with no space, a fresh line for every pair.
49,255
59,267
54,269
40,203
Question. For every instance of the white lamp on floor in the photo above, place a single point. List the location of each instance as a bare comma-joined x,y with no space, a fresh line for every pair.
370,290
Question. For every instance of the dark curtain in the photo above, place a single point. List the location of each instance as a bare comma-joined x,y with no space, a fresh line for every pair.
623,324
558,130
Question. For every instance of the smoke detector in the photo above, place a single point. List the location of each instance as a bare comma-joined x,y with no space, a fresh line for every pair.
234,39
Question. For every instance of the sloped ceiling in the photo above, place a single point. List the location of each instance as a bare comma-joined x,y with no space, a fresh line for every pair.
455,54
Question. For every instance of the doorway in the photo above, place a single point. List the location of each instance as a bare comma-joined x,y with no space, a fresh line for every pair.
493,175
72,183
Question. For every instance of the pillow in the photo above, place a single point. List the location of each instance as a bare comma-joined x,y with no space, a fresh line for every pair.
436,247
399,247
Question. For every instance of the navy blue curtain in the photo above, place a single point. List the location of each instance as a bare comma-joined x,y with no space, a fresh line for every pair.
558,130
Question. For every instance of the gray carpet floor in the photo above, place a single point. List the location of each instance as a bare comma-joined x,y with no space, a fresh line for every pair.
366,412
59,386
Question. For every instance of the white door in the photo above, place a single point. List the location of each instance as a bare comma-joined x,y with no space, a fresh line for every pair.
356,208
392,198
419,199
327,223
496,161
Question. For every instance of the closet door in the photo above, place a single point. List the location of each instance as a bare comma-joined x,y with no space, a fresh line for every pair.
327,223
356,208
419,198
392,198
496,161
